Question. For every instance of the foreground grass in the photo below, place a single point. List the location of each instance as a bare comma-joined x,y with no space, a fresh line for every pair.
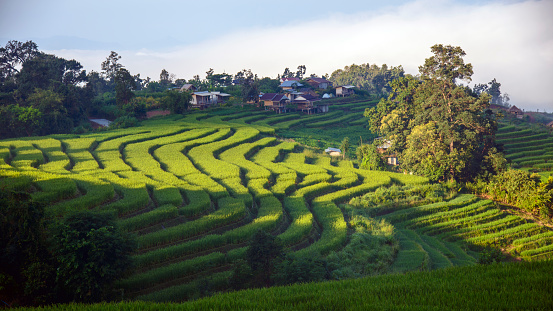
525,285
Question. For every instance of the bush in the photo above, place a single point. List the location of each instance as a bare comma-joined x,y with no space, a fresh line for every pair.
523,190
124,122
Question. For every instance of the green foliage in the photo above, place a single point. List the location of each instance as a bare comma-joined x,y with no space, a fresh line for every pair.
19,120
301,269
124,84
437,127
523,190
176,101
92,254
370,158
367,77
26,271
370,251
525,285
262,250
344,146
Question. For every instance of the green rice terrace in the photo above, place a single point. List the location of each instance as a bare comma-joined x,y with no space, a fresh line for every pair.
528,148
194,189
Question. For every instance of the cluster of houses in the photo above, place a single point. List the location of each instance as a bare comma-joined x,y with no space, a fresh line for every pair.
294,96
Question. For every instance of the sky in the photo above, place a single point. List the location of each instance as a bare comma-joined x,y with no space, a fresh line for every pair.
511,41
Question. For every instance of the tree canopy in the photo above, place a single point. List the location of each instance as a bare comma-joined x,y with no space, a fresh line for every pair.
438,127
367,77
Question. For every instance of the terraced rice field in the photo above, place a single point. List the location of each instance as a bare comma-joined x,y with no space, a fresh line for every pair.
526,148
446,234
194,190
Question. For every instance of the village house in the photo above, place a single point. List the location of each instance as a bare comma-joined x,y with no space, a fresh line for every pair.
516,111
344,90
391,159
275,102
319,83
333,152
305,103
290,85
206,99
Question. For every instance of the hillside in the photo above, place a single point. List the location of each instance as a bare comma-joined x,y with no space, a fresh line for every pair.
195,188
513,286
528,146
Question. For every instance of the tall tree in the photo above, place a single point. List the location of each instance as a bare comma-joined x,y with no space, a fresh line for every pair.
249,85
111,66
164,78
345,147
176,101
437,126
124,85
301,72
15,53
92,254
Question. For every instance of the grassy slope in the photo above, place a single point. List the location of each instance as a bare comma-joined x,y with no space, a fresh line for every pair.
526,285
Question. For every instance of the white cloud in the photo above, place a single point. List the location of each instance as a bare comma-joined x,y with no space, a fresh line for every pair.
512,42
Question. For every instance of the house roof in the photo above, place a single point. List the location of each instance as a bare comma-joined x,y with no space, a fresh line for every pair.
207,93
346,86
319,80
273,97
290,84
220,93
202,93
308,97
514,108
332,150
188,86
385,145
101,122
289,79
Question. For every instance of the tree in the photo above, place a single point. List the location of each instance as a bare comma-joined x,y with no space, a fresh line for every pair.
371,78
124,85
438,128
176,101
164,78
301,269
26,266
287,73
55,118
345,147
301,72
260,255
370,158
92,254
15,53
111,66
493,89
18,120
249,85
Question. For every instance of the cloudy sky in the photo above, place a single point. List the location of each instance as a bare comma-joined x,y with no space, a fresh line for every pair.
511,41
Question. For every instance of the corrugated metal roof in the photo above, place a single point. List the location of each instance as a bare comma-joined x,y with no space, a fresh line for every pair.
290,84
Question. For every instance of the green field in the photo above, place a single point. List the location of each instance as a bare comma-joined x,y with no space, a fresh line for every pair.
513,286
527,147
195,189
